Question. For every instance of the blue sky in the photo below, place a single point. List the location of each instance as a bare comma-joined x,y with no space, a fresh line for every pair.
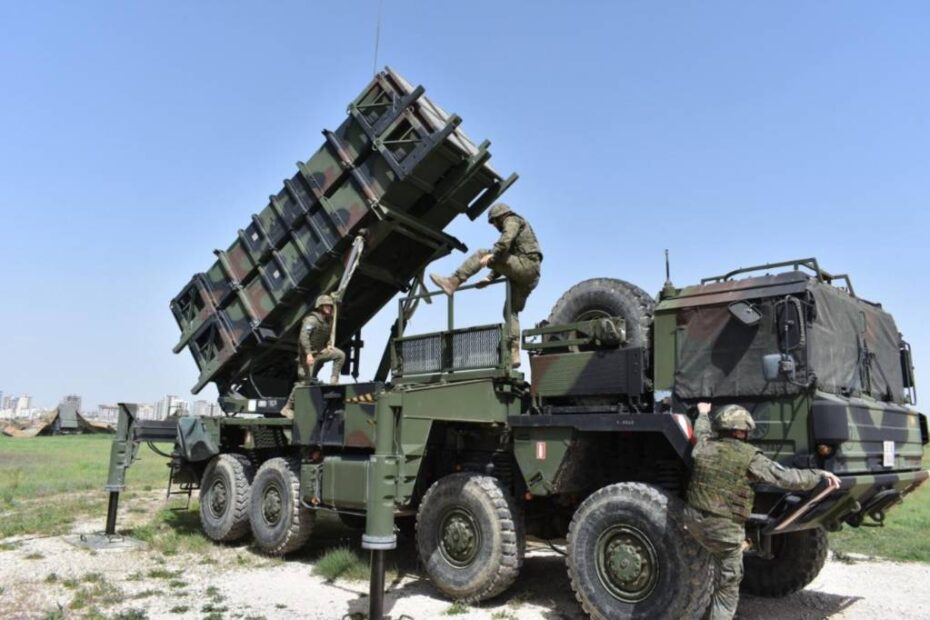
137,137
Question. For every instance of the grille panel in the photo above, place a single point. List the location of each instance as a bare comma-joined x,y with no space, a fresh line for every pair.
476,349
421,355
470,349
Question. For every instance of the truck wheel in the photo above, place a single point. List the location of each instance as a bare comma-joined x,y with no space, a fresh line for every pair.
604,297
224,497
629,556
468,537
279,523
799,556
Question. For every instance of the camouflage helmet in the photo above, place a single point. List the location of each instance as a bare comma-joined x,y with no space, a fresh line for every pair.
734,418
499,210
324,300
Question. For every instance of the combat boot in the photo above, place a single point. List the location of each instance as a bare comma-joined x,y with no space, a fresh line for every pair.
515,355
288,410
448,285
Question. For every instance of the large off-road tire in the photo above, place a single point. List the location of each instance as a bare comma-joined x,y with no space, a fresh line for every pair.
799,556
468,537
607,297
279,523
629,556
225,489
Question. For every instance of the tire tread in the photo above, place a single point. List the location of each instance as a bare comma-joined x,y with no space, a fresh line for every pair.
512,548
243,474
620,289
301,519
785,575
698,563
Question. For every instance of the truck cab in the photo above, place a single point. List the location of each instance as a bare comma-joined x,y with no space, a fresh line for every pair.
826,375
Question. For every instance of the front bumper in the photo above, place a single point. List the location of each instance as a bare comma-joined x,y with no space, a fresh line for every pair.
860,498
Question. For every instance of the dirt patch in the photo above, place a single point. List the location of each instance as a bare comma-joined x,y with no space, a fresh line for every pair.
39,575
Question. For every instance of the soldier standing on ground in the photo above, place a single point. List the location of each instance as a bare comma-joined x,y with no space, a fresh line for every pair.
314,348
720,494
516,256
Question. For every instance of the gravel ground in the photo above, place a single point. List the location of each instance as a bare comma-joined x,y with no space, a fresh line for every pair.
234,582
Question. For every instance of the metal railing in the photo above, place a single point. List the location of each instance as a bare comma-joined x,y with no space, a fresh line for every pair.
808,263
453,350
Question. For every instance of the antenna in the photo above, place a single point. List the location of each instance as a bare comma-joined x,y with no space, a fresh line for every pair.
374,68
669,289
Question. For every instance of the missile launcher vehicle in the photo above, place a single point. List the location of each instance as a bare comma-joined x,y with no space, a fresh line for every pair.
450,444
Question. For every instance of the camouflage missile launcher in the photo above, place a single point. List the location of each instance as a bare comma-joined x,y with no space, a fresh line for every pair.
397,170
464,455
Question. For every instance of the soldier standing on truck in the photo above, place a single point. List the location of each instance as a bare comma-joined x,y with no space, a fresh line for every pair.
720,494
516,256
315,348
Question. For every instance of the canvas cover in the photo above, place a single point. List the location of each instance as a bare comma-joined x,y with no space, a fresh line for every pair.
850,346
854,346
719,356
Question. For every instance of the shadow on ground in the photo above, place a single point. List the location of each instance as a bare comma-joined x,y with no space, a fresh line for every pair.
543,582
803,605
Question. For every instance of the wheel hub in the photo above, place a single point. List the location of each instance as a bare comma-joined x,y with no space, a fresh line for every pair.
459,537
218,498
590,315
271,505
626,563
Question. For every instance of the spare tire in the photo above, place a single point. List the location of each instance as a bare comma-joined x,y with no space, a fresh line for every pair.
608,297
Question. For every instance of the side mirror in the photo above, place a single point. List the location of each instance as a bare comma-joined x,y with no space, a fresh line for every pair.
778,367
745,313
907,373
907,365
790,321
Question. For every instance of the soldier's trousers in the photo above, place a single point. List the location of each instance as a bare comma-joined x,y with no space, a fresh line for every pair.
723,538
334,355
304,374
523,273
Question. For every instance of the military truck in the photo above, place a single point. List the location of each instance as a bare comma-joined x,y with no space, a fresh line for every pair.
468,456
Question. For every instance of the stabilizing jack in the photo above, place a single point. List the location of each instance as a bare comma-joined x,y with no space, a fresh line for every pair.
379,534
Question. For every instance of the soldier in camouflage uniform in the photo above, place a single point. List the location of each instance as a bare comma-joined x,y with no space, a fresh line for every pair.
720,494
314,349
516,256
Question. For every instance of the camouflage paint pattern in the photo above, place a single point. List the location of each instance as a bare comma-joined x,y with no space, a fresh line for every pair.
794,422
397,156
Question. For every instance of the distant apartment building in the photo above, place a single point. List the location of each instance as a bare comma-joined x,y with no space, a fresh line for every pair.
23,404
108,413
204,408
147,412
170,405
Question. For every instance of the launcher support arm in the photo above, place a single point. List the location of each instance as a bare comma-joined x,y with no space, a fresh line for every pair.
355,255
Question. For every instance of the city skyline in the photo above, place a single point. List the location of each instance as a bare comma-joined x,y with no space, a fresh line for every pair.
24,405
